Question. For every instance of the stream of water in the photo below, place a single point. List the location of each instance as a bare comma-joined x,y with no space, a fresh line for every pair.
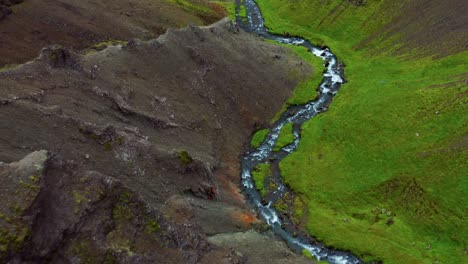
333,78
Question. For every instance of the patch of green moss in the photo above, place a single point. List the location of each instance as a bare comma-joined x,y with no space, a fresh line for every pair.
185,158
285,137
120,243
53,56
17,210
309,255
108,146
32,183
119,140
110,258
88,133
6,218
230,8
152,227
197,7
12,238
259,175
79,197
281,206
122,213
243,10
84,250
9,67
298,208
103,45
126,197
124,210
272,186
259,137
20,236
34,178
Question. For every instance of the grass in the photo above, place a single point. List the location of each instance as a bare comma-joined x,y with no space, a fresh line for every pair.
243,10
195,6
305,91
258,137
259,175
285,137
103,45
230,7
152,227
9,67
185,158
209,11
392,139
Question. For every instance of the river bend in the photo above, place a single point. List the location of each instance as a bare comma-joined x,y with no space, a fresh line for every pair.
333,78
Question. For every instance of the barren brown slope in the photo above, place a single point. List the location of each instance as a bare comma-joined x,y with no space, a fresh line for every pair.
159,120
427,27
78,24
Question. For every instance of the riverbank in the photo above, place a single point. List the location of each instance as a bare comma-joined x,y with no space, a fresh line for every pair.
383,170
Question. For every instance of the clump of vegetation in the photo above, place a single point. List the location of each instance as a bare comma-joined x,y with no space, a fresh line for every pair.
299,210
108,145
259,175
12,237
185,158
119,140
281,206
208,11
80,200
79,197
243,10
103,45
306,90
285,137
259,137
307,253
152,227
81,249
32,183
230,8
120,243
9,67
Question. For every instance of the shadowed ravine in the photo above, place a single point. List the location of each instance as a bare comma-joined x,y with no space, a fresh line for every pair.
332,81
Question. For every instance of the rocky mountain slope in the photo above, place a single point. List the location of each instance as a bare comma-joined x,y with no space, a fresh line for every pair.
130,154
28,26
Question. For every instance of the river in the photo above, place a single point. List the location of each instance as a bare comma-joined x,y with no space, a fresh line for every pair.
333,78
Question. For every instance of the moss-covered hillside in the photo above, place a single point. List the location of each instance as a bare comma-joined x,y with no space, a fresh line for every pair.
385,170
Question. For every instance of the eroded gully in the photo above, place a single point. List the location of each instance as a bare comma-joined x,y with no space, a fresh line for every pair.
333,78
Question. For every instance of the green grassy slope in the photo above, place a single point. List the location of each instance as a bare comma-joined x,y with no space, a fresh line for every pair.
259,175
208,11
285,137
384,171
